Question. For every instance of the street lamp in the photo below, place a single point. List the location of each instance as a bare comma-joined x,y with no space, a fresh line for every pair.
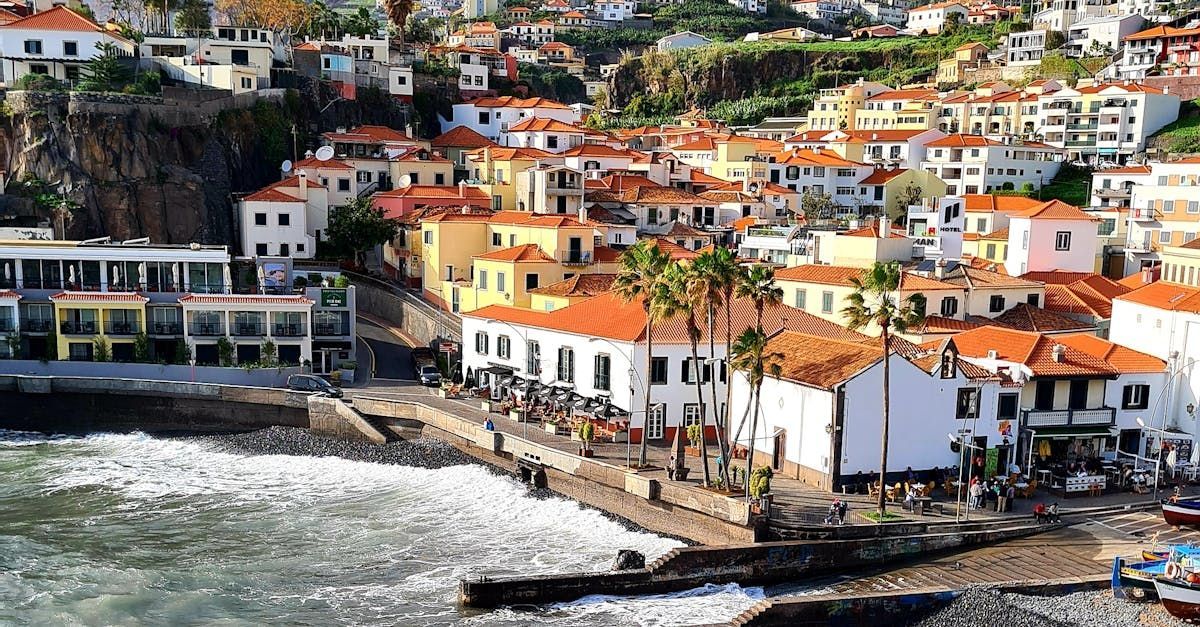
963,445
634,375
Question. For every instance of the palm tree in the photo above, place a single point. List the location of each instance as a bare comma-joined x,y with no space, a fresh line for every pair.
323,22
750,356
641,267
675,298
876,301
398,12
759,286
721,274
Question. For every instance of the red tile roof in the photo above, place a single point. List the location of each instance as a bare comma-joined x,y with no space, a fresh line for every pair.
461,137
818,361
1165,296
60,18
9,294
881,176
313,162
548,125
599,150
1055,210
1125,360
841,275
99,297
809,156
437,191
1026,317
987,203
271,194
871,230
578,285
521,253
1076,293
963,141
1034,350
972,277
243,299
368,133
519,103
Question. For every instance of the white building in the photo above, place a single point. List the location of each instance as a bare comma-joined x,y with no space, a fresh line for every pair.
971,164
819,171
1164,211
931,18
1101,34
1025,48
284,219
938,226
614,10
680,40
1109,121
57,43
491,117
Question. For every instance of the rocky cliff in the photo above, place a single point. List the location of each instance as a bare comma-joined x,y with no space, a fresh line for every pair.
144,167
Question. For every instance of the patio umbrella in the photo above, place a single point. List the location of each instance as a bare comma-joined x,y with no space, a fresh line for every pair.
70,274
505,381
175,276
115,279
142,274
579,402
470,379
563,395
262,277
1195,457
227,278
7,273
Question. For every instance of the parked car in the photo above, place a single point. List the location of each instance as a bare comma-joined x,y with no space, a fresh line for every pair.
430,376
313,384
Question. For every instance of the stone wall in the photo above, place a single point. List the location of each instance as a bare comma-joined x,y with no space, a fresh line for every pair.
1186,87
419,319
260,377
334,418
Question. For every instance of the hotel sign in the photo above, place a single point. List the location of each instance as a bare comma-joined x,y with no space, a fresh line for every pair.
333,298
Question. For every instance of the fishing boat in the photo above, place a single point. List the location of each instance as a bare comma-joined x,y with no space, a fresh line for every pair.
1181,513
1135,580
1180,597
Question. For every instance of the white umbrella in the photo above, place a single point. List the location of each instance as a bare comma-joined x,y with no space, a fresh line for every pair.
1195,454
142,274
262,277
115,279
226,277
175,276
70,274
7,273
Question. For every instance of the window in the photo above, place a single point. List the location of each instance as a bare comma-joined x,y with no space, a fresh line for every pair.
283,250
996,303
427,237
991,251
33,46
1006,406
501,284
496,241
260,219
949,306
247,83
1135,396
481,343
689,371
1033,299
1025,240
439,179
656,422
552,141
566,364
503,347
484,117
70,49
658,371
603,373
826,302
1164,237
1062,240
968,404
483,280
801,297
1193,206
692,414
285,219
531,281
533,358
260,249
981,224
343,185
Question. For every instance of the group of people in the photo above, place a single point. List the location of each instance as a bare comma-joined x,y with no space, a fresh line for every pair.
1044,514
993,495
837,512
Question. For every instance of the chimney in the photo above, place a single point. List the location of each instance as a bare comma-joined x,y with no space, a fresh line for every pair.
885,226
1058,352
939,269
817,150
308,154
303,184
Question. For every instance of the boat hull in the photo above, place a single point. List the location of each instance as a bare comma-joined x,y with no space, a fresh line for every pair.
1135,580
1179,599
1180,515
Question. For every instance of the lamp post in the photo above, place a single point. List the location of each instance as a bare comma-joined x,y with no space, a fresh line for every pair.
634,375
963,445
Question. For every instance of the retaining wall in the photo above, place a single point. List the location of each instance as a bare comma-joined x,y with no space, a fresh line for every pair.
419,319
259,377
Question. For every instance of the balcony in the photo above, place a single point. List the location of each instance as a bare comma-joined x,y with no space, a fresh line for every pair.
1080,143
71,327
289,330
248,329
166,328
207,329
116,327
1034,418
576,258
1091,126
37,325
325,329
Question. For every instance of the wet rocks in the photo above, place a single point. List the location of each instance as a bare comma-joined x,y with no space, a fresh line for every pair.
628,559
422,453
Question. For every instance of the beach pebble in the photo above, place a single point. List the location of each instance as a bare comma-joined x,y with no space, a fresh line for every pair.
981,606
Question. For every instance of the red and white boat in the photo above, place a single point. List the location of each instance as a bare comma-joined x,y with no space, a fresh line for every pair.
1181,513
1179,598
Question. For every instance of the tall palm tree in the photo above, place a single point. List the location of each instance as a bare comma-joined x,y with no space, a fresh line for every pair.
676,298
720,273
398,12
641,267
758,285
751,357
876,300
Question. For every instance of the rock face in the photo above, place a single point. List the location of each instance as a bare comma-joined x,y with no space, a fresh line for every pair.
628,559
142,167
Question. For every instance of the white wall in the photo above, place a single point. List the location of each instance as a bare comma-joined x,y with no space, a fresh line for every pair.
1031,246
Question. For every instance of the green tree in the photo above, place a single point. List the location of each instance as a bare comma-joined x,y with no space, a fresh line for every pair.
51,347
193,18
14,345
640,269
675,298
818,206
759,286
876,301
183,352
1055,40
912,194
141,348
101,351
225,352
751,358
323,22
360,226
362,23
398,12
268,354
104,72
719,274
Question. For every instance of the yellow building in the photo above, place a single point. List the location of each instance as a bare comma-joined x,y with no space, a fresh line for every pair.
890,189
837,108
421,167
472,260
899,109
494,170
729,157
91,320
952,71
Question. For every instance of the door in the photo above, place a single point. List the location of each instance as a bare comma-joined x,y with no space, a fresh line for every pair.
322,362
1079,394
655,425
778,454
1043,398
575,248
561,204
239,57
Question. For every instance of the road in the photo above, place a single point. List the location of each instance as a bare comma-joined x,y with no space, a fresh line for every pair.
392,358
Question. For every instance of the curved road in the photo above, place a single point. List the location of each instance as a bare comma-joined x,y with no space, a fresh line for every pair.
391,358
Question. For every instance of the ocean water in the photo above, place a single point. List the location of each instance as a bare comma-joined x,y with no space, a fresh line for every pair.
136,530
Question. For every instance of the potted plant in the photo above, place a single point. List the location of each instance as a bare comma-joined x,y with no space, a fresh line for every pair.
693,436
760,489
347,368
552,426
516,413
586,432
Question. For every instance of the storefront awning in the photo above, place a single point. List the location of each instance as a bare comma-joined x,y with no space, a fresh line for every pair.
1077,432
497,370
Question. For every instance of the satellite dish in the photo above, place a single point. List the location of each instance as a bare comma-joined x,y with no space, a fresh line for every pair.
753,187
286,166
405,180
324,153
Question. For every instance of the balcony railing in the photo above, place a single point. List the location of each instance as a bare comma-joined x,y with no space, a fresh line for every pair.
1102,416
1143,214
248,329
166,328
70,327
37,325
289,330
576,258
1073,143
329,328
1082,127
121,328
207,328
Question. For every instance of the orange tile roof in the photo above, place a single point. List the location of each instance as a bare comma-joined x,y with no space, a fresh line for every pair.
98,297
1135,281
972,277
522,253
9,294
461,137
59,18
313,162
598,150
271,195
658,194
574,14
963,141
1136,169
1026,317
519,103
498,153
936,5
1001,234
819,361
1078,292
871,230
242,299
673,250
698,176
309,47
1123,359
1034,350
464,192
578,285
987,203
940,324
608,316
1055,210
550,125
1165,296
809,156
881,176
841,275
904,94
369,133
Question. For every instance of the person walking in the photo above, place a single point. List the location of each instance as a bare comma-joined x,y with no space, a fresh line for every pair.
976,494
